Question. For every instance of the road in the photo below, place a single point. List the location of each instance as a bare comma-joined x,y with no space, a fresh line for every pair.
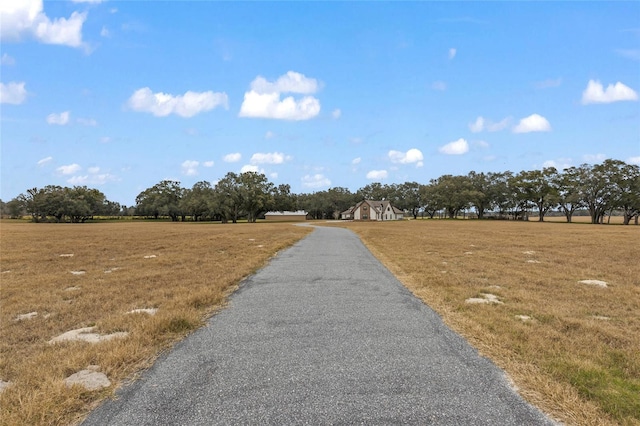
324,334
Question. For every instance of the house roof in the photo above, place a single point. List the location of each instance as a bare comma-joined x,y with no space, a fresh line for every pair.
380,206
287,213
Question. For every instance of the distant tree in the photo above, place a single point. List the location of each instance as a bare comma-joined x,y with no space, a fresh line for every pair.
375,191
408,198
626,182
257,194
535,189
228,198
14,208
431,201
162,199
197,201
454,193
567,189
283,199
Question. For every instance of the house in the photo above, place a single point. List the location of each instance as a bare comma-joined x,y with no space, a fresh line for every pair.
372,210
286,216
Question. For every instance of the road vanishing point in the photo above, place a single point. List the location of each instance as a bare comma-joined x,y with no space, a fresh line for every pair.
324,334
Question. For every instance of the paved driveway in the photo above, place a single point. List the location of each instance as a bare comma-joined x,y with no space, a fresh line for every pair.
323,335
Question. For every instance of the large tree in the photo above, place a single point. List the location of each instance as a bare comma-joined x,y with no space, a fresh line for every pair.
535,189
162,199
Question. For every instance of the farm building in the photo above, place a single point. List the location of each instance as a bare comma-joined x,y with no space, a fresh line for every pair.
286,216
373,210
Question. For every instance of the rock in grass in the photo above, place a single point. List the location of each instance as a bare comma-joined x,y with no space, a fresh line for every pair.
597,283
89,378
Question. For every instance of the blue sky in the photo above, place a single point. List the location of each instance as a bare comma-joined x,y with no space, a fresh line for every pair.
120,95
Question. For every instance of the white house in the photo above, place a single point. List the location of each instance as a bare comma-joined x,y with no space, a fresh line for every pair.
373,210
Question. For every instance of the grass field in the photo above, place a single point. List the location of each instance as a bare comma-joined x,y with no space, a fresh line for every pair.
194,268
577,357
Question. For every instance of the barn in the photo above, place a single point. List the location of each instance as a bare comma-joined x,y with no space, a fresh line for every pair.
286,216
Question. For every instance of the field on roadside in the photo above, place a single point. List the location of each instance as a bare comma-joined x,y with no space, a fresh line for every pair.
92,275
572,349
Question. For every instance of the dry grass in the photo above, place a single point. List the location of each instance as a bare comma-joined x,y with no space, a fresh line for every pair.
568,359
195,268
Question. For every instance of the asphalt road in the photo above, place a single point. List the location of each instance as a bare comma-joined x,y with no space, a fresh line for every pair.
323,335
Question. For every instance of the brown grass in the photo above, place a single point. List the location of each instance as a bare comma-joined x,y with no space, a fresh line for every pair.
576,366
195,268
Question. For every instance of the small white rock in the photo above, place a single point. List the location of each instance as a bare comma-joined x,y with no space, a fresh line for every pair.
67,255
486,298
524,318
533,261
529,252
4,385
151,256
597,283
26,316
78,272
74,288
150,311
6,272
468,252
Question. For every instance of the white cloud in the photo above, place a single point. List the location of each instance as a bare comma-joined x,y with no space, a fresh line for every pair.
187,105
439,85
87,121
594,158
481,144
458,147
69,169
269,105
269,135
97,179
559,164
7,60
232,158
105,139
356,161
104,32
269,158
377,174
291,82
13,93
482,124
208,163
634,160
250,168
27,18
93,170
412,156
336,113
596,94
190,167
59,119
477,126
452,52
44,161
263,100
316,181
273,175
532,123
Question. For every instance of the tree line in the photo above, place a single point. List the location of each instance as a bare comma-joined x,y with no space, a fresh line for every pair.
612,186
